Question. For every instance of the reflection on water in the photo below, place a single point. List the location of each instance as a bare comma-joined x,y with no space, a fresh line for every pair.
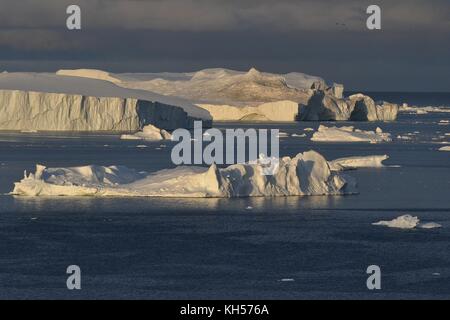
142,205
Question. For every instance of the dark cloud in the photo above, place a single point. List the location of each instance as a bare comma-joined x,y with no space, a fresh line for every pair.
326,38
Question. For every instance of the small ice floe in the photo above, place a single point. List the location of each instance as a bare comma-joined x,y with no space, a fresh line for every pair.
404,137
34,218
295,135
141,146
350,163
436,274
283,134
308,129
430,225
287,280
407,222
446,148
249,208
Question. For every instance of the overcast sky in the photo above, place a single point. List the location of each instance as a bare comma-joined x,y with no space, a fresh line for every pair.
327,38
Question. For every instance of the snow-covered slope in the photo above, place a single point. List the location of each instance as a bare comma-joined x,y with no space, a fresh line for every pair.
306,174
31,101
90,74
222,86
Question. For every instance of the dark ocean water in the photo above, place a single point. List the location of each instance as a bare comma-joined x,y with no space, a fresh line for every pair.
220,248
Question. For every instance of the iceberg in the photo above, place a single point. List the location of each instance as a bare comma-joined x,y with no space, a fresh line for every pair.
349,134
407,222
350,163
148,133
446,148
52,102
306,174
403,222
364,108
331,106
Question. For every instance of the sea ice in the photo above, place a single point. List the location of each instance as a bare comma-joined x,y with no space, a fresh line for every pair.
446,148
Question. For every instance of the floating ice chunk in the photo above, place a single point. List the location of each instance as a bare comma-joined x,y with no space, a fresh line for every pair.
349,134
407,222
430,225
349,163
298,135
149,133
283,134
307,173
446,148
308,129
404,137
403,222
423,110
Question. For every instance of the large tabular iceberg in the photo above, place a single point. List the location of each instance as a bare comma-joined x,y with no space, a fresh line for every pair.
52,102
307,173
230,95
349,134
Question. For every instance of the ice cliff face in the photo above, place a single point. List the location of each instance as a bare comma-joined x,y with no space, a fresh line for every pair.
307,173
32,101
25,110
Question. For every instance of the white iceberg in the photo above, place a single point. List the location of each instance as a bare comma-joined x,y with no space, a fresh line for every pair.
306,174
430,225
37,101
348,163
446,148
403,222
407,222
148,133
349,134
